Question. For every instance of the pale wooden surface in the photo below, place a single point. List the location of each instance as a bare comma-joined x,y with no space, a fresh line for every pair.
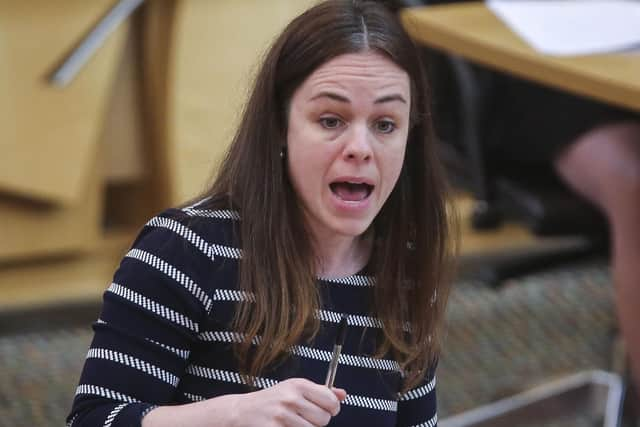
509,236
48,135
57,281
157,44
122,134
216,47
472,31
29,230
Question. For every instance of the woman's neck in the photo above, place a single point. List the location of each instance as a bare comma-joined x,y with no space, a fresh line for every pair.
342,256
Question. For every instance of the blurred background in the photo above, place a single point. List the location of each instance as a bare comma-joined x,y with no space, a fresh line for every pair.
86,160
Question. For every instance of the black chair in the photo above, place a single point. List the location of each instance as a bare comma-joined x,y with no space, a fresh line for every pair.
465,105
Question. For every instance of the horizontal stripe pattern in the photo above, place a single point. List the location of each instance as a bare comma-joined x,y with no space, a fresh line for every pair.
104,392
261,382
347,359
132,362
163,364
352,319
184,354
309,352
356,280
72,421
371,403
232,295
228,376
113,414
207,213
225,336
153,307
419,392
429,423
172,272
226,251
193,397
184,232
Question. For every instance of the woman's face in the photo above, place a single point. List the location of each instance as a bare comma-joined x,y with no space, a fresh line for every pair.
346,140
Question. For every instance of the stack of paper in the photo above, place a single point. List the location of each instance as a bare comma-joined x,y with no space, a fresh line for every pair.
572,27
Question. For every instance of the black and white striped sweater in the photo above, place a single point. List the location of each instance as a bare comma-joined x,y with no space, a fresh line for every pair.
163,336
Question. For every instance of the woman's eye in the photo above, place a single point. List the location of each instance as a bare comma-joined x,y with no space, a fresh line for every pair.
330,122
385,126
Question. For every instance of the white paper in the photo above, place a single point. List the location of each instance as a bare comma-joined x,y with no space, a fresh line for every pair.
572,27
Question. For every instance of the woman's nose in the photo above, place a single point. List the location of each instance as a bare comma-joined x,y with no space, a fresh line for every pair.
358,145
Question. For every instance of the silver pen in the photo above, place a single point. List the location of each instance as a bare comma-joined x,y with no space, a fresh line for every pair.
337,349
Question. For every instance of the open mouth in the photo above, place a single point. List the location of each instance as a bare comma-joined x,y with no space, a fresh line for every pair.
351,191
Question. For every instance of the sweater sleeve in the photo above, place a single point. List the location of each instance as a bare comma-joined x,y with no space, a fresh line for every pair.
417,407
147,327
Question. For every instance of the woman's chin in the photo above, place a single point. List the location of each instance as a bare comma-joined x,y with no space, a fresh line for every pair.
351,227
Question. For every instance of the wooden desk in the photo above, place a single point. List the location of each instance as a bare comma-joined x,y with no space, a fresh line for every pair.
475,33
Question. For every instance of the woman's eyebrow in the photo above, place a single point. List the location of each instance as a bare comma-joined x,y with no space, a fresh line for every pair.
335,97
331,95
390,98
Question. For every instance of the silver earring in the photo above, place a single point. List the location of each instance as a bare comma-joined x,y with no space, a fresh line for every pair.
283,153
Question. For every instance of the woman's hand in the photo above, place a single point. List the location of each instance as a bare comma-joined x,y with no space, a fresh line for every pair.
295,402
292,403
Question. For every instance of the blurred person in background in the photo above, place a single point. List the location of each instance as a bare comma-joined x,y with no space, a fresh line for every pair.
593,147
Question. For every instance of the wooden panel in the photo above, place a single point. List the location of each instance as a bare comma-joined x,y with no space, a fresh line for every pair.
29,229
474,32
122,128
48,135
157,35
66,280
216,48
506,237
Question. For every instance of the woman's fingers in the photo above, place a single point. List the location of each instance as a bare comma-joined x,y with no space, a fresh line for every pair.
295,402
313,413
340,393
322,397
313,402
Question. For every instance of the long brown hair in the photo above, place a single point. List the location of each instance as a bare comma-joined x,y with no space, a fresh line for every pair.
411,231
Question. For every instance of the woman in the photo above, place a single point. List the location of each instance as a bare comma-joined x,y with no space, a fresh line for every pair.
332,198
